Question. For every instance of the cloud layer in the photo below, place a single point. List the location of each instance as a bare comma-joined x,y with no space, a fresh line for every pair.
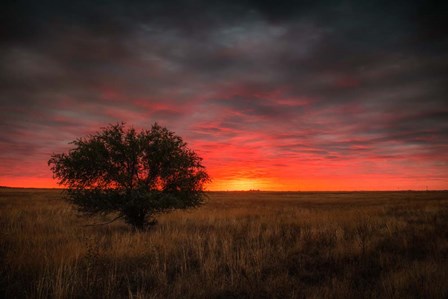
322,95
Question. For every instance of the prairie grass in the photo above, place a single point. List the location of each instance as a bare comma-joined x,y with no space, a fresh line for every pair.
238,245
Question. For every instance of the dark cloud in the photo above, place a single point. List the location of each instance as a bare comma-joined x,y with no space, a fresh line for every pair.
303,80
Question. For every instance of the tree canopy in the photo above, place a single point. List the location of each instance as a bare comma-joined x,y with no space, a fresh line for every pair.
135,175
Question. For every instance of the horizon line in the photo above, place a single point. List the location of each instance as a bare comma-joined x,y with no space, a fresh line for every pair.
260,191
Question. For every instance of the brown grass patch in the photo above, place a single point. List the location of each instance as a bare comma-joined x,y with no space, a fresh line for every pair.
238,245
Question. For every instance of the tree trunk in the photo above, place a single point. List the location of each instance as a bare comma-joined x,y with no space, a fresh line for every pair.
136,218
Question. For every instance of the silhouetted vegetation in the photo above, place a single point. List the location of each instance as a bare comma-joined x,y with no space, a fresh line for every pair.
239,245
134,175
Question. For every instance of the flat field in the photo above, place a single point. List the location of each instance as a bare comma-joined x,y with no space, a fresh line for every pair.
238,245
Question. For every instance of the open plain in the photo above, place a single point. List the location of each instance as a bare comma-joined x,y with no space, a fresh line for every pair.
237,245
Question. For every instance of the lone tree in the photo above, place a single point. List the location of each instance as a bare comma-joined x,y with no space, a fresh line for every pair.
134,175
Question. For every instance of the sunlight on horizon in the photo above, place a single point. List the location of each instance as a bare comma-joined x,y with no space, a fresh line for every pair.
240,184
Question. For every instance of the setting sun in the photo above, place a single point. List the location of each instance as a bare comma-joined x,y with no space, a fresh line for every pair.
242,184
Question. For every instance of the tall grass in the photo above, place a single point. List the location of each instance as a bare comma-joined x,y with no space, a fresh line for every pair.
238,245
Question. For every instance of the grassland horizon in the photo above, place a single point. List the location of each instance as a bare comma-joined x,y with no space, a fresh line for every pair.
262,190
239,244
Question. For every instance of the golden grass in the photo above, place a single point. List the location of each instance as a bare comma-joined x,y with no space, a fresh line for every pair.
238,245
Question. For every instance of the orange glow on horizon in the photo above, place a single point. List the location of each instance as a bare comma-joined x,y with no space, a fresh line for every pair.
242,184
310,176
265,184
30,182
330,184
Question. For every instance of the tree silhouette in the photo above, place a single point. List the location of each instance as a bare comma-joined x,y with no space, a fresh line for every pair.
134,175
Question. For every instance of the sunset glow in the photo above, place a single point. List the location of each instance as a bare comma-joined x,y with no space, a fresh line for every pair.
241,184
328,97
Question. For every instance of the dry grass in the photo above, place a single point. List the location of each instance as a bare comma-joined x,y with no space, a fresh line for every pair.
239,245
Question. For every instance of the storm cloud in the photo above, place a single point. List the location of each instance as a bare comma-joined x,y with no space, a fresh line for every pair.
292,95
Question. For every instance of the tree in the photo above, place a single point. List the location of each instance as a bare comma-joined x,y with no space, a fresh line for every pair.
134,175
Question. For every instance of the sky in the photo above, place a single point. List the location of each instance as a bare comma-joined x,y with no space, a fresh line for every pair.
274,95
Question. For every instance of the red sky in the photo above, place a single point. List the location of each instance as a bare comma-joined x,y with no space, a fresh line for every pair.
325,97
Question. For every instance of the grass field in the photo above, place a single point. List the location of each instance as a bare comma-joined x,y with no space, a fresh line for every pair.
238,245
